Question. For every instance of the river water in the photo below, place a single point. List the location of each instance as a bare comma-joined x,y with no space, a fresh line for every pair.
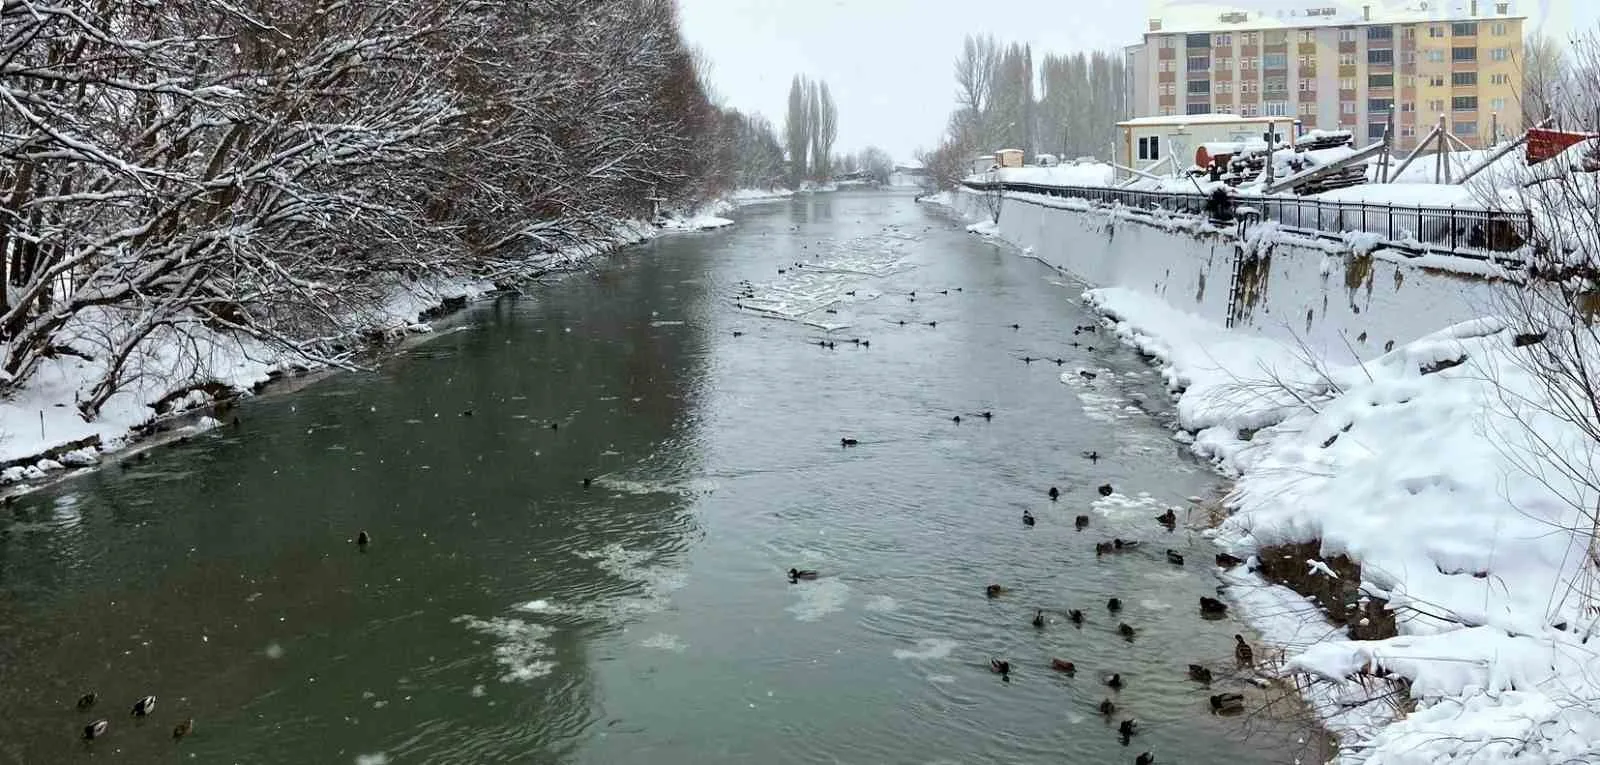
506,613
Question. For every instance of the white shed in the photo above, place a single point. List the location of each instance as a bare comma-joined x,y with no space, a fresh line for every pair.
981,164
1148,143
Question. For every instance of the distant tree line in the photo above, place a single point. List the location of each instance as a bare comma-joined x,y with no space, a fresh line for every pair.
275,167
1067,105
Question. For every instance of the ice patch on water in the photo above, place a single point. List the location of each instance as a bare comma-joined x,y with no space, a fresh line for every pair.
661,641
273,651
818,599
66,500
520,650
656,583
1154,605
687,488
376,758
942,679
928,648
665,323
1125,505
478,692
882,604
539,606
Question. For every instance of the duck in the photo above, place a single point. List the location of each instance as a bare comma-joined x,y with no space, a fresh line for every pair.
555,426
933,324
1145,758
95,729
1174,558
1114,681
1128,728
363,539
1028,359
587,482
1038,617
143,707
1199,674
848,442
86,700
1092,456
796,574
1168,518
1242,651
1125,544
1107,708
1086,374
1075,616
1000,666
1212,606
1114,605
1064,667
1224,560
1055,494
1016,326
466,413
1082,522
737,333
1126,631
956,419
183,728
1027,518
1105,490
1060,362
987,415
1227,702
1104,548
994,590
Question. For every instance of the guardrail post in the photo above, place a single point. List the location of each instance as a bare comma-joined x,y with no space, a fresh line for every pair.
1452,228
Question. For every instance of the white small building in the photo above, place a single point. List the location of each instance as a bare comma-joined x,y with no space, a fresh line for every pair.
1151,143
1046,160
982,164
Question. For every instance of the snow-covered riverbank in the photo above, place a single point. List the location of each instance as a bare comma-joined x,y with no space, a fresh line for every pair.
1439,469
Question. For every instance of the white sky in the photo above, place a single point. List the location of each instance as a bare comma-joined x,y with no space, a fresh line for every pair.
890,62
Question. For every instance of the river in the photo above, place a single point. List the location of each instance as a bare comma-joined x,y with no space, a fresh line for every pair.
504,612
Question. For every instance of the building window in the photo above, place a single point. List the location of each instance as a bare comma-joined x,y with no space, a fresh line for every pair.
1408,81
1347,83
1348,34
1308,108
1201,40
1498,29
1224,64
1248,110
1247,62
1249,86
1224,108
1467,53
1499,79
1306,84
1436,105
1222,39
1167,111
1385,57
1226,86
1500,54
1407,107
1436,56
1275,61
1408,131
1275,37
1502,8
1464,103
1200,108
1409,33
1308,62
1377,105
1436,31
1497,104
1375,130
1380,33
1464,128
1170,42
1463,78
1199,64
1380,80
1347,107
1464,29
1249,38
1411,58
1347,59
1199,87
1277,108
1436,81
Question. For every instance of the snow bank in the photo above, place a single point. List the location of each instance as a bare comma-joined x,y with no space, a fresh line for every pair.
1439,469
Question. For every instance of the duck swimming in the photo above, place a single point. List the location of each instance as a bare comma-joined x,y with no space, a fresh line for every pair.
1082,522
848,442
95,729
1126,631
143,707
1145,759
1114,605
1212,606
183,728
1107,708
1105,490
363,539
1075,616
1027,518
994,590
1038,617
1168,518
1174,558
86,700
1128,728
1002,667
1225,560
1242,651
1065,667
1055,494
1199,674
1125,544
796,574
1114,681
1104,548
1227,702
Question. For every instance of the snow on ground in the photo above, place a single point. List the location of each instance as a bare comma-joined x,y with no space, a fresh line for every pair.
1086,174
742,197
984,227
1452,487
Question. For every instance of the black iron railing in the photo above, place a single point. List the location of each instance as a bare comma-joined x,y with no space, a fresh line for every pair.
1458,229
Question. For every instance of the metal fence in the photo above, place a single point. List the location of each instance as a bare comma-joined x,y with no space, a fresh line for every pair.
1463,230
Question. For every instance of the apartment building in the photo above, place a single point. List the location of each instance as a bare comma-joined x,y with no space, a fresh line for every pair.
1341,68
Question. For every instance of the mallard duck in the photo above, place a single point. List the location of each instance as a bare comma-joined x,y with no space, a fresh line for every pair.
1114,605
956,419
1065,667
1114,681
1016,326
86,700
1086,374
1038,617
587,482
848,442
1227,702
1075,616
143,707
1000,666
1242,651
1107,708
1126,631
466,413
1092,456
1128,728
796,574
1168,518
363,539
1174,558
95,729
933,324
1125,544
1027,518
1145,759
183,728
1212,606
987,415
1105,490
1228,561
1028,359
1104,548
1082,522
737,333
1054,493
994,590
1199,674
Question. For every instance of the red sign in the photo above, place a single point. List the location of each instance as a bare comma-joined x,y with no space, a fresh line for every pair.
1544,144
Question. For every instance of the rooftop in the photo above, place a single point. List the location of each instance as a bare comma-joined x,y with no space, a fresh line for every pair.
1183,16
1201,119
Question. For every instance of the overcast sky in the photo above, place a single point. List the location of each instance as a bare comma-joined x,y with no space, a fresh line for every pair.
889,62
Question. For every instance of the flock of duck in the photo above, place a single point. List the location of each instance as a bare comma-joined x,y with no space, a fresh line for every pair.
142,708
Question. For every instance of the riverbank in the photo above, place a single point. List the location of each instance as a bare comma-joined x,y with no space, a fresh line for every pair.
182,383
1438,476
